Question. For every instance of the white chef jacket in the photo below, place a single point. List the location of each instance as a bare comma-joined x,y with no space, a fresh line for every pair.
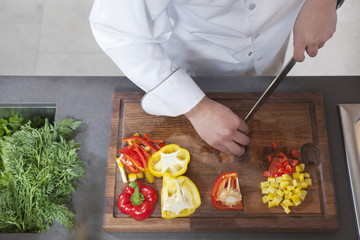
160,44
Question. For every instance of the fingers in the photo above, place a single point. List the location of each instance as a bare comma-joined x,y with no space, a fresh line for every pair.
235,148
311,50
299,50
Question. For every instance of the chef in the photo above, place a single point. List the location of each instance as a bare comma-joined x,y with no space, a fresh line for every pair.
161,44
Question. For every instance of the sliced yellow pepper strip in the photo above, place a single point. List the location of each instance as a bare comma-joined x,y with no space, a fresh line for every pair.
170,158
179,197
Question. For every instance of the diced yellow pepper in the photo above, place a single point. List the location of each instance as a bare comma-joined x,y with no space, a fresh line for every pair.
278,179
280,193
132,177
271,196
286,208
140,175
274,184
297,190
295,175
287,194
271,189
288,202
308,181
298,169
296,200
271,204
307,175
277,200
302,165
271,179
264,184
295,183
265,199
284,184
301,177
303,184
290,188
302,195
286,177
264,190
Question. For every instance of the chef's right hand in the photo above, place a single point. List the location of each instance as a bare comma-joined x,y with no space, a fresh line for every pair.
219,126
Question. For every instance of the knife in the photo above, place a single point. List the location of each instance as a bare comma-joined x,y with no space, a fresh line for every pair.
286,69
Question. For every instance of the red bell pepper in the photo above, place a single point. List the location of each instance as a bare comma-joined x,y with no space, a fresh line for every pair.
138,200
226,193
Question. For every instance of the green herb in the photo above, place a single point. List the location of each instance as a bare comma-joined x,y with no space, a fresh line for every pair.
11,125
41,171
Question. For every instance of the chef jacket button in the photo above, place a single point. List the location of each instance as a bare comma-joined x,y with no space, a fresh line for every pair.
252,6
249,54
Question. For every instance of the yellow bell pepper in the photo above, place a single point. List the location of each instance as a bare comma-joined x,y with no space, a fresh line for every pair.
179,196
170,158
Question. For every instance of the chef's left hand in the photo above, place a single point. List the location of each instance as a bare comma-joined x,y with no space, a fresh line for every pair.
314,25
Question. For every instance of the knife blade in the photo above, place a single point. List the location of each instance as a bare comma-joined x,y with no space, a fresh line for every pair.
286,69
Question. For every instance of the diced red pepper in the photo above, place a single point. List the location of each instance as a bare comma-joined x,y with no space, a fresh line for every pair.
269,159
267,174
282,155
295,154
294,163
288,168
278,174
273,145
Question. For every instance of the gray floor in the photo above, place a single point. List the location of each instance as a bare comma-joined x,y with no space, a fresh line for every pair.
49,37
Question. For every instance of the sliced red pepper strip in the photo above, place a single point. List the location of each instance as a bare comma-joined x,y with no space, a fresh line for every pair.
152,140
140,151
143,141
128,164
225,191
133,157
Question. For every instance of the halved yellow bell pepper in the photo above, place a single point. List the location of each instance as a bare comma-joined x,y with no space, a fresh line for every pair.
170,158
179,197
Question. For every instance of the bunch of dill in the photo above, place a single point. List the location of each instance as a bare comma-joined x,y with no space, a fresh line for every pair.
41,169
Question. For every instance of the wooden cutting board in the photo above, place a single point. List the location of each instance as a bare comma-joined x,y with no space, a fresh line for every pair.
289,119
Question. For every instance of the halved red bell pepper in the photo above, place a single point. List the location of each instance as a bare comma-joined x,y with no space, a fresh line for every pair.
226,194
138,200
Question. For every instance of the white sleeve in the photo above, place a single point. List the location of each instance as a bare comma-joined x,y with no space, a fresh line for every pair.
130,32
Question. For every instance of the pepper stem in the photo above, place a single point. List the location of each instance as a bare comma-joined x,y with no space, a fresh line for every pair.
137,197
